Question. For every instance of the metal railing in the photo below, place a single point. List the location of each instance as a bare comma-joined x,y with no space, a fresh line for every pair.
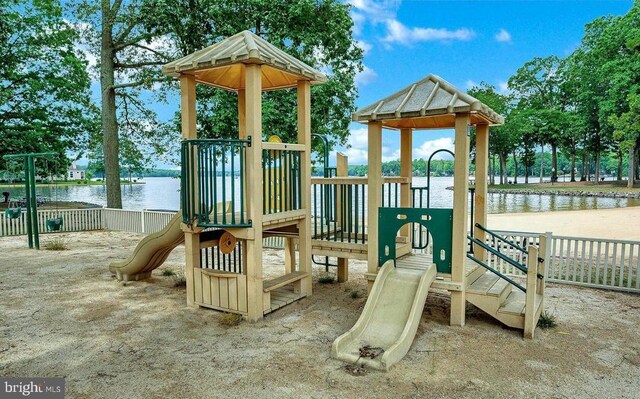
282,181
213,182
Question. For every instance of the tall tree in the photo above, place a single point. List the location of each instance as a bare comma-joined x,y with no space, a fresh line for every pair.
129,60
45,100
503,139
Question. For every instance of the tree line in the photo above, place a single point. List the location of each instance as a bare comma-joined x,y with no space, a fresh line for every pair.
585,106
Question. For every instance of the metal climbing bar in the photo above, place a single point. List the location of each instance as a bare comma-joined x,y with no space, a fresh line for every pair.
212,186
513,244
497,273
502,256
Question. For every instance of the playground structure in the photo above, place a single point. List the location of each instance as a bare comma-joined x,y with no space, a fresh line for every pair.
249,189
33,228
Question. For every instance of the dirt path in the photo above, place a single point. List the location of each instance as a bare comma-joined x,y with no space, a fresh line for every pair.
62,314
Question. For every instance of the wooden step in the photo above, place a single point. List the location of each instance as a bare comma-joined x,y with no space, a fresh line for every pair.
514,304
270,285
492,285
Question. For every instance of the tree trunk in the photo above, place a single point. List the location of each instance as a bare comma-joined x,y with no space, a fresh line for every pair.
503,169
631,176
541,162
619,172
583,172
596,173
492,178
554,163
526,174
515,166
109,121
573,166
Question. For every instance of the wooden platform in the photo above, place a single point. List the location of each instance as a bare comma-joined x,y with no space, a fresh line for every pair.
443,281
281,297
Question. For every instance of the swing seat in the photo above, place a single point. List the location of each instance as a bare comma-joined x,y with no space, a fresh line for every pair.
55,224
13,213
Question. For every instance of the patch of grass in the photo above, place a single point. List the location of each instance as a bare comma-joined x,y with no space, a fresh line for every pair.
168,272
326,279
547,321
230,320
56,244
179,280
355,294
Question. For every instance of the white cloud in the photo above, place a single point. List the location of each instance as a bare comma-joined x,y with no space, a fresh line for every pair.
366,47
503,87
366,76
357,148
503,36
429,147
375,11
399,33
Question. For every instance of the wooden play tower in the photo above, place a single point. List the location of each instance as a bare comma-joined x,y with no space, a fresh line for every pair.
235,192
244,187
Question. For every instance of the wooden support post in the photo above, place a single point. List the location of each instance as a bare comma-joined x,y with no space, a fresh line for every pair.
543,253
460,218
482,171
530,320
242,114
289,255
342,170
374,201
253,269
192,255
406,166
188,106
304,226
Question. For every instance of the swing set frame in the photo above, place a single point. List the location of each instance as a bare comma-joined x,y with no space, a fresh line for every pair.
30,192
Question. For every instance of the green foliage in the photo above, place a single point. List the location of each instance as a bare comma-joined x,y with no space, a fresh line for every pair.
168,272
45,100
317,32
326,279
230,320
56,244
547,321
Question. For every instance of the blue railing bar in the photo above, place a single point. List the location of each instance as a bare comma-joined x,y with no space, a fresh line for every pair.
497,273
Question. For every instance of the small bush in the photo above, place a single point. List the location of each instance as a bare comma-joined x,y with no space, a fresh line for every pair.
179,280
230,320
326,280
547,320
168,272
355,294
56,244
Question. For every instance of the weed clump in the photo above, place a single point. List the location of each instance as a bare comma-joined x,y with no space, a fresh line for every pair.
326,280
57,244
230,320
547,321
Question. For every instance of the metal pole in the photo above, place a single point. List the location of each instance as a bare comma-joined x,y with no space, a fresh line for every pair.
27,194
34,204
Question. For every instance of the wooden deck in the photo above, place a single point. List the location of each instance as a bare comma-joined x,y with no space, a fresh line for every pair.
281,297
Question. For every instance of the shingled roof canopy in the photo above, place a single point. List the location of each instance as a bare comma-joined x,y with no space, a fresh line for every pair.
222,64
430,103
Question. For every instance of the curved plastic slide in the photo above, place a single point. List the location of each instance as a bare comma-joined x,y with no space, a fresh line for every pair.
150,253
385,330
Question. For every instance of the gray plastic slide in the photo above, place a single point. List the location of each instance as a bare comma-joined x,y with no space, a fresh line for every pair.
385,330
150,253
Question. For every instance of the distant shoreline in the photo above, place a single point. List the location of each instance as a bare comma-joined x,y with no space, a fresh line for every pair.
75,183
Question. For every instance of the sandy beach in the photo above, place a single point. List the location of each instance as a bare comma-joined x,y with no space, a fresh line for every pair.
615,223
63,314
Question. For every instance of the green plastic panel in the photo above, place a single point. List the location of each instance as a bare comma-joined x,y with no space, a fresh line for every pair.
439,223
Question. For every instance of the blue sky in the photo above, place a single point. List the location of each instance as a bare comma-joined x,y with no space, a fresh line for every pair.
464,42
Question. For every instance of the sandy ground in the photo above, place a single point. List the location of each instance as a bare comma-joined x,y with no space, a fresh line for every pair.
615,223
62,314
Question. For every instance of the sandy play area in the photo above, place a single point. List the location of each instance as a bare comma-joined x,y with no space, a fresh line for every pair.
62,314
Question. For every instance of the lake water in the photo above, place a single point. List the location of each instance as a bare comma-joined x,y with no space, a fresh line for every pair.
163,193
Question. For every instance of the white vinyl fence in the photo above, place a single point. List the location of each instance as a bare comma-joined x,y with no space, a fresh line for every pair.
90,219
588,262
74,220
